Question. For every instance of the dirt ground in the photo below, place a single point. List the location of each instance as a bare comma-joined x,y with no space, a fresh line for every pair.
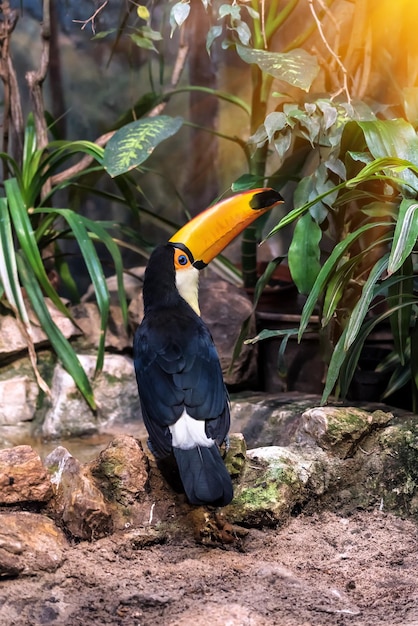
319,569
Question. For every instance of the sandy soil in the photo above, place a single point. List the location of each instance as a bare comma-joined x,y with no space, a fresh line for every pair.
319,569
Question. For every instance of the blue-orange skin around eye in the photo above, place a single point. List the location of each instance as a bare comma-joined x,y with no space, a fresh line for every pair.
181,259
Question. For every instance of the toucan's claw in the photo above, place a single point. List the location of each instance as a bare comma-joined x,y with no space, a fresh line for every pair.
212,529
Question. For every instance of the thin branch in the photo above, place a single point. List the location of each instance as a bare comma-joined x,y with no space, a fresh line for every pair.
12,108
35,80
92,18
329,48
82,164
86,161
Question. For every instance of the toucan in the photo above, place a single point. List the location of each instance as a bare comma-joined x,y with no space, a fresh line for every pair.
184,401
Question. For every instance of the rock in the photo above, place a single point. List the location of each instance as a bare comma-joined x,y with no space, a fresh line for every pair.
115,391
23,478
18,396
87,317
224,308
236,455
121,471
78,506
275,480
133,279
269,419
29,543
13,341
341,429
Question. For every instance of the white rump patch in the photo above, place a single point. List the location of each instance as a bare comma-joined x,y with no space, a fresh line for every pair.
188,433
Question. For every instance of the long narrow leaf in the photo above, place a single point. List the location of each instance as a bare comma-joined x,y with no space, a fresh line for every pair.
405,235
402,292
28,243
95,270
327,270
105,238
368,293
344,363
59,343
8,267
338,357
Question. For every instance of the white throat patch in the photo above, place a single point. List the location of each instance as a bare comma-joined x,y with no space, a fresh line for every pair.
187,282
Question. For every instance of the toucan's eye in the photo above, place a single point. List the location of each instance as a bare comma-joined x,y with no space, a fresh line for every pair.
181,260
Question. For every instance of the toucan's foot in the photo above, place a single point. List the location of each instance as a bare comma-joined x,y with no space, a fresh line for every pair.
211,528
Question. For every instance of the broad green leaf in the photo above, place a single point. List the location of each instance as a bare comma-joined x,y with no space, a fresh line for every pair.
179,14
393,138
143,42
132,145
60,344
298,68
274,122
304,253
247,182
405,235
213,33
243,31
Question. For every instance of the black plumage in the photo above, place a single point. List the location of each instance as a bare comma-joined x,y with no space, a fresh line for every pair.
177,370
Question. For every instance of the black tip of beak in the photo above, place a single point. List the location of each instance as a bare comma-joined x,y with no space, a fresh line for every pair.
265,199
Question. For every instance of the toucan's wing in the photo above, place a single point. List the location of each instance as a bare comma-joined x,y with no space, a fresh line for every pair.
178,369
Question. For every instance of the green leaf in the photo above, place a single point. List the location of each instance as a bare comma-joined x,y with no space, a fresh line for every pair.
297,68
304,253
334,367
77,224
247,182
213,33
272,334
327,271
60,344
335,289
393,138
179,14
143,42
402,291
368,293
132,145
9,277
405,235
28,242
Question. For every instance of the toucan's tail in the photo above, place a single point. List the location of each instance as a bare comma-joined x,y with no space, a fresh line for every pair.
204,475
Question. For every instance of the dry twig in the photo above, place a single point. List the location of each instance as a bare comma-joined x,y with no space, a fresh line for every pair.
92,18
330,49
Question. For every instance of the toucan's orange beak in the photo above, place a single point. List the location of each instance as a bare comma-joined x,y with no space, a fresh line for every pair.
207,234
